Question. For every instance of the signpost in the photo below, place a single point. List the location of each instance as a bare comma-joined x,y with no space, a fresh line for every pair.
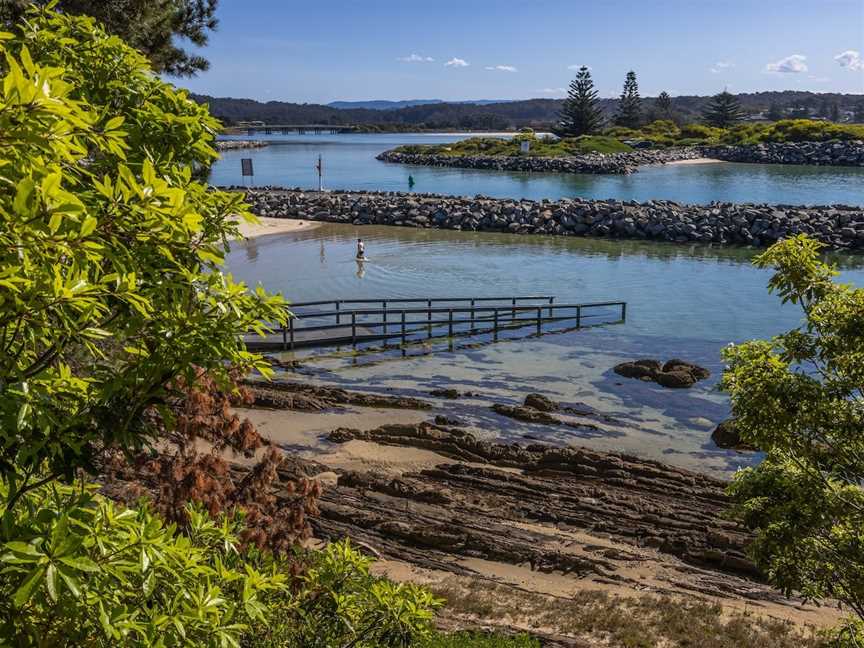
246,168
320,168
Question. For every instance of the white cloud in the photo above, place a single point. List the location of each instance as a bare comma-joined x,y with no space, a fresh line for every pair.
415,58
501,68
794,64
720,66
457,62
576,67
819,79
851,60
553,91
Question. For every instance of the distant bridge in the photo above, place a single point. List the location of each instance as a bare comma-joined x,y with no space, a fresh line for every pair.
317,129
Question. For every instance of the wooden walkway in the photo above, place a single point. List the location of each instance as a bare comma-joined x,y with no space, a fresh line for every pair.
353,321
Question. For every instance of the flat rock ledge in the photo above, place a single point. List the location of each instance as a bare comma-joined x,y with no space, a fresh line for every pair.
591,514
591,163
759,225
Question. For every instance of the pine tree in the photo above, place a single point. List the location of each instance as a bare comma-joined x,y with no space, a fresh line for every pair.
775,112
664,105
629,112
723,110
580,114
150,26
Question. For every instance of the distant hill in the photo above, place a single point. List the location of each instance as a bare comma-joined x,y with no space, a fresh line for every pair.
383,104
497,115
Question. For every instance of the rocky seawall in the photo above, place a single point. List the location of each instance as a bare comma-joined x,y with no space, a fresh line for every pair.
835,153
593,163
849,153
839,226
231,145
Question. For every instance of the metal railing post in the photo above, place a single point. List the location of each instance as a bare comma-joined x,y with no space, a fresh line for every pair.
284,338
539,318
403,326
338,316
450,326
578,317
513,314
623,311
495,326
384,303
551,301
429,322
291,326
472,314
353,327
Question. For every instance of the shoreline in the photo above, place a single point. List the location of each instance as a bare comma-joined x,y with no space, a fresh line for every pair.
480,514
267,226
840,227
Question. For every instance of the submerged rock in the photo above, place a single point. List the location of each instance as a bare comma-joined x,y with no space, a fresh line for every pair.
674,374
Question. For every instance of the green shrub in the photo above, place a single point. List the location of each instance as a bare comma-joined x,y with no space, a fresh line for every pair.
661,127
701,132
339,603
78,570
110,251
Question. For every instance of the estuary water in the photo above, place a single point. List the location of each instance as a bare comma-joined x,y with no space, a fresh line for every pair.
349,163
683,301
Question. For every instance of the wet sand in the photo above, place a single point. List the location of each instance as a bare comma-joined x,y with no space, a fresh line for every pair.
696,161
267,225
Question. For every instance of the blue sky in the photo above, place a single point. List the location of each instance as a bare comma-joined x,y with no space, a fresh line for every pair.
326,50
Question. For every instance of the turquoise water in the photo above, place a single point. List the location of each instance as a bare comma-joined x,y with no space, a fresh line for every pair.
683,301
349,163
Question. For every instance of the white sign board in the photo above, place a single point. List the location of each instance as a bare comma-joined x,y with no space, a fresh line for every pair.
525,146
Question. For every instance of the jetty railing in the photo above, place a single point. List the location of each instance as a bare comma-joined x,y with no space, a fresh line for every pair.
460,316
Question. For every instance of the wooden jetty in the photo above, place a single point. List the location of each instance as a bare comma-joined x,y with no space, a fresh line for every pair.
352,321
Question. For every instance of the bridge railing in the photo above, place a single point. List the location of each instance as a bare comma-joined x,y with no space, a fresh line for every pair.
366,324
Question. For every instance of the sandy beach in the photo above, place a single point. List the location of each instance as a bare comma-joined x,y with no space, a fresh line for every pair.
266,226
696,161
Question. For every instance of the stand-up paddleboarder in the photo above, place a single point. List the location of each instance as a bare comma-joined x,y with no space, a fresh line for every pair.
361,250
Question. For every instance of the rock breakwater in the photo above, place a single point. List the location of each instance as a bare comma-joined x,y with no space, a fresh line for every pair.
592,163
839,226
846,153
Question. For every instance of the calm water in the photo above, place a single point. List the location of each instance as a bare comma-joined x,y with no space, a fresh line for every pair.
349,163
682,302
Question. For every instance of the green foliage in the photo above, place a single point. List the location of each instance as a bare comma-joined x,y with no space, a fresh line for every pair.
339,603
701,132
808,130
543,147
723,110
580,113
110,284
150,26
629,112
798,397
80,571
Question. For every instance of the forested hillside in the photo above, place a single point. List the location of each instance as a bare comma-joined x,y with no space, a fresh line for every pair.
535,113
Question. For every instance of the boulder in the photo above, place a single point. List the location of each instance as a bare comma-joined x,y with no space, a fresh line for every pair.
699,373
726,436
677,379
540,402
643,369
